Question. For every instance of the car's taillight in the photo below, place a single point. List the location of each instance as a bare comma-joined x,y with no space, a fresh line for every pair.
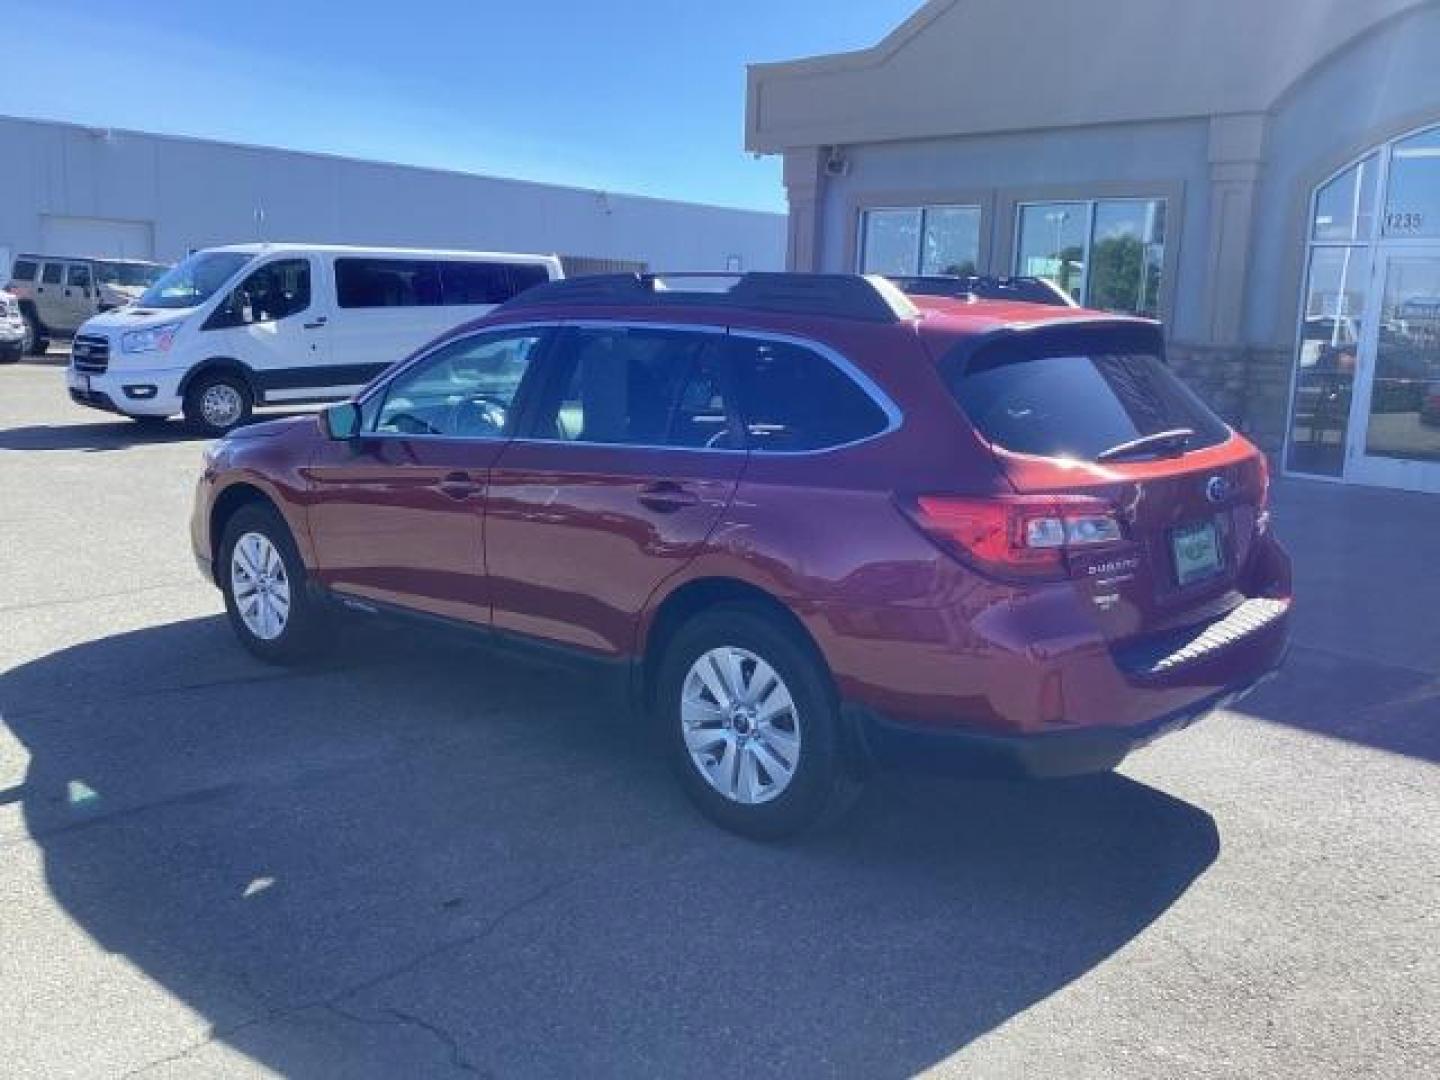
1024,536
1259,469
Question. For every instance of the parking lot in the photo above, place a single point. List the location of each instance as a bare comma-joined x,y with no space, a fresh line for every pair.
418,861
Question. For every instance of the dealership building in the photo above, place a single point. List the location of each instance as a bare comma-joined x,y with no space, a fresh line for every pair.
1263,176
71,190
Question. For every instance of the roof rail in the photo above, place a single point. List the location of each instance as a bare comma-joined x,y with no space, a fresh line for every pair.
1030,290
841,296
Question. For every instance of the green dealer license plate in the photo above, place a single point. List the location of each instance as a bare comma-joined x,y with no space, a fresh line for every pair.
1197,552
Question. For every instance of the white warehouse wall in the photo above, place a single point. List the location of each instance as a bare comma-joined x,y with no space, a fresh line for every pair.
193,193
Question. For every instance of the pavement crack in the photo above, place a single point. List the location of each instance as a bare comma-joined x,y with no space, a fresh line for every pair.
333,1003
402,1018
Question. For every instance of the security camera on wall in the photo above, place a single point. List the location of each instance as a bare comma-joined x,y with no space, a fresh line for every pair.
836,164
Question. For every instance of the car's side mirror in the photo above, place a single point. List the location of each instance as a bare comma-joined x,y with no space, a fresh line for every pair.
341,422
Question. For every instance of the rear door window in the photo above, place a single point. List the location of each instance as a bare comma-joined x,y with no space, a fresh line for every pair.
78,276
635,386
51,274
1078,399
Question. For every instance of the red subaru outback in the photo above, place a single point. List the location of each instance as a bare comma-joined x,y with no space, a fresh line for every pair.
807,523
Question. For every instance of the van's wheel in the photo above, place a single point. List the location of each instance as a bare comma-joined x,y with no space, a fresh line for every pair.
36,343
217,403
752,725
266,596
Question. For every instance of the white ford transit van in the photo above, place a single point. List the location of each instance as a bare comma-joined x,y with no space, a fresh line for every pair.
230,328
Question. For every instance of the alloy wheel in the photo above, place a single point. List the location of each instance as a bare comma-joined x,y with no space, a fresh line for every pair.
260,585
221,406
740,723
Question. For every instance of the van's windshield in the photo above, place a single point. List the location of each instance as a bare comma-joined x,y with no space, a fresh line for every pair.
130,274
194,279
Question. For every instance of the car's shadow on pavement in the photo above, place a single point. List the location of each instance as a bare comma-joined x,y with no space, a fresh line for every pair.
416,858
117,435
111,435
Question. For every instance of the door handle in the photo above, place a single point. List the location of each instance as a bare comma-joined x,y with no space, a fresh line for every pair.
316,324
458,486
667,497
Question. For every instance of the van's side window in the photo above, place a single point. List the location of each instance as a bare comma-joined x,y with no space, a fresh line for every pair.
276,291
474,283
383,282
51,273
78,276
24,270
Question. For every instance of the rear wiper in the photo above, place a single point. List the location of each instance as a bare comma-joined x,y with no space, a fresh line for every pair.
1175,440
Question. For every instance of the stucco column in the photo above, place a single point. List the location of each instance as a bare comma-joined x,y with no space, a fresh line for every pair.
1237,154
804,180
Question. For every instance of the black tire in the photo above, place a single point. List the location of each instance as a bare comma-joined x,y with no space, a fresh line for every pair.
303,634
36,343
11,354
196,410
823,784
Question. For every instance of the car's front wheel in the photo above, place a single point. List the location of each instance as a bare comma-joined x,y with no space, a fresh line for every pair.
752,725
217,403
266,596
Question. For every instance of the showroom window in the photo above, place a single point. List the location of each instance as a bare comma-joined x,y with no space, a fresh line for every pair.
920,240
1367,326
1106,253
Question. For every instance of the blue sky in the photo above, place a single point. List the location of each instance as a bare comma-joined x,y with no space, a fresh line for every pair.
643,96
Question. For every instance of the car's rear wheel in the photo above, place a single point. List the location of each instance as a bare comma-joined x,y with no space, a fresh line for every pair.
266,595
752,725
218,403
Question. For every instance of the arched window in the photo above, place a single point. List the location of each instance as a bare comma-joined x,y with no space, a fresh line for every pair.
1387,202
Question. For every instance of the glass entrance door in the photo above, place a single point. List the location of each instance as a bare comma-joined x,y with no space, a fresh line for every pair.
1396,409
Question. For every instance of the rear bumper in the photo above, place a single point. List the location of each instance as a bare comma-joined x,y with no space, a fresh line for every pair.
1075,752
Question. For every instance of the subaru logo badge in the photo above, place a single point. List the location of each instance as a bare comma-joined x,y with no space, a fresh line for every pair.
1217,489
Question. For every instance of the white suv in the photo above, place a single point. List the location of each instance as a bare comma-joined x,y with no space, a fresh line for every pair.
59,292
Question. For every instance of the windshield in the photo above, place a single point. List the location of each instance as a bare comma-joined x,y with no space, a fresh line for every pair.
194,279
1081,404
127,273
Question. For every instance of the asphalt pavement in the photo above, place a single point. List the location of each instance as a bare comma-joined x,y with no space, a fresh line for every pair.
419,861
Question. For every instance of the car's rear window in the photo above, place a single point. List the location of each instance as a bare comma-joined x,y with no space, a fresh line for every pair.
1078,398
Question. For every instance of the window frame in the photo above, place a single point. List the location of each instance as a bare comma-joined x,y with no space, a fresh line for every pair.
524,405
1373,247
43,277
923,208
546,372
1091,203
